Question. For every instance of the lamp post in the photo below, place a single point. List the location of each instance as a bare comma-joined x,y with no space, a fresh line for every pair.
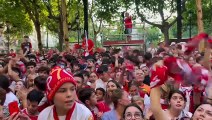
190,15
78,31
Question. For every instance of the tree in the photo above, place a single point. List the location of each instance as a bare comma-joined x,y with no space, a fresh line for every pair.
192,10
157,7
153,34
62,15
34,8
94,13
13,17
201,16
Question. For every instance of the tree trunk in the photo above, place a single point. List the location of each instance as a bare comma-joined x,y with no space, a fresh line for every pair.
60,35
38,31
165,31
94,38
85,3
64,18
65,24
179,20
200,22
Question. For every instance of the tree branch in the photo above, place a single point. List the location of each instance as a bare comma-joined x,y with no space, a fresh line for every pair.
93,24
160,10
36,11
49,9
169,16
173,22
144,19
100,26
28,9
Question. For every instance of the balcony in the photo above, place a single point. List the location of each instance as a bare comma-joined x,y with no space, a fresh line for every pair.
120,39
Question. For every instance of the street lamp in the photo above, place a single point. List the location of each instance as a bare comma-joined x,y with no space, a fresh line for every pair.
78,31
190,15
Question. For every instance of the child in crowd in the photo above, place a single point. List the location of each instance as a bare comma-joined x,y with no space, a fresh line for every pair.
33,99
61,90
89,99
100,94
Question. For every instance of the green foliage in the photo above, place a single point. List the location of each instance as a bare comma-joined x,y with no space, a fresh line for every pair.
185,31
74,9
150,8
108,10
152,34
207,15
12,12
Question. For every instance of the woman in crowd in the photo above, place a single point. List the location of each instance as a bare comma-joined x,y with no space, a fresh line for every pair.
19,85
203,112
120,99
177,102
133,112
110,87
92,80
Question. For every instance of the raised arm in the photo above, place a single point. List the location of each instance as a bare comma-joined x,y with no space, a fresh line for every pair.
155,104
11,73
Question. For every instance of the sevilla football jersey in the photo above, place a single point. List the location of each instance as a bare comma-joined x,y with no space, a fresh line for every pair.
80,112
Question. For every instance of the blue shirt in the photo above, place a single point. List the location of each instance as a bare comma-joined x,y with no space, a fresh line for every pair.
110,115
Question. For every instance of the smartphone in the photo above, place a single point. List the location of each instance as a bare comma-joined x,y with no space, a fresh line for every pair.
13,107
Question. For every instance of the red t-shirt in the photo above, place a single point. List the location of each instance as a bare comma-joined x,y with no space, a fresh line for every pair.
101,108
90,46
30,116
12,55
128,22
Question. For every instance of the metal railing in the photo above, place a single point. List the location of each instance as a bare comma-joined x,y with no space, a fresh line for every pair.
119,37
138,32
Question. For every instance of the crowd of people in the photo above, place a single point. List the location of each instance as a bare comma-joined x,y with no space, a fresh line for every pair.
112,84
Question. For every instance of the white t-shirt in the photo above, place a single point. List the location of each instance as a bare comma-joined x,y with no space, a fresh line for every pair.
10,97
80,113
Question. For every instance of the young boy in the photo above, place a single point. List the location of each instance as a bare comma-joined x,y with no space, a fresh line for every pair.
88,97
33,99
100,94
61,90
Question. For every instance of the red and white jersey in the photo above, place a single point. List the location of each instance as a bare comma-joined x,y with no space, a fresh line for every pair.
187,91
30,116
80,112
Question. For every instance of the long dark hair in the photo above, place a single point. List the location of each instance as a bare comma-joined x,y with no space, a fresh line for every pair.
5,83
107,98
